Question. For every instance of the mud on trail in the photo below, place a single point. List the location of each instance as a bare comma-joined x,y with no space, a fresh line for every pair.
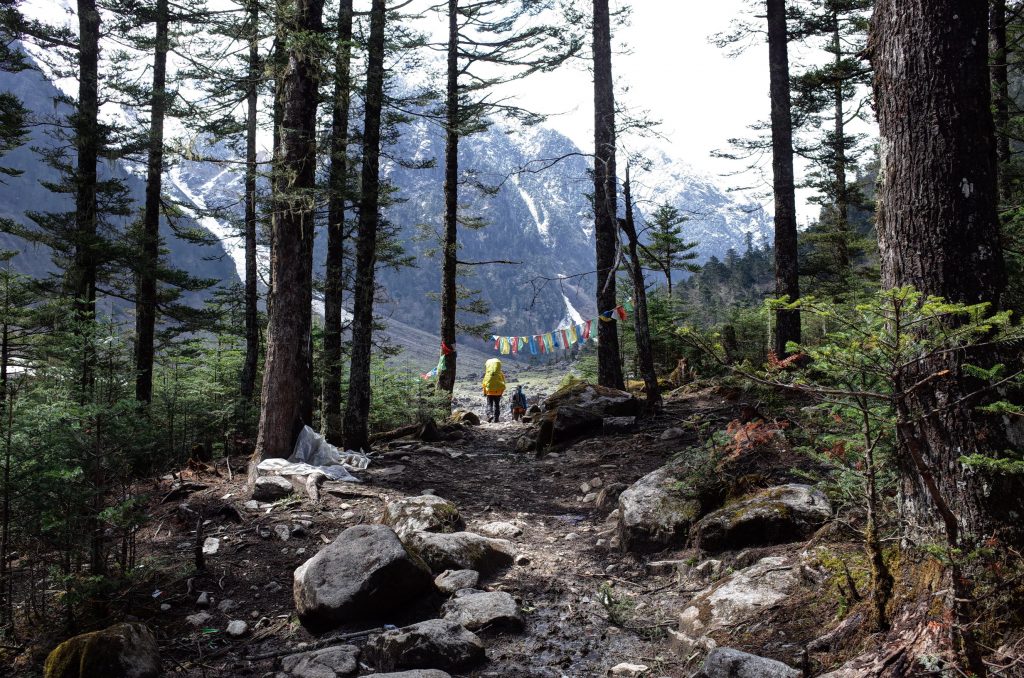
587,606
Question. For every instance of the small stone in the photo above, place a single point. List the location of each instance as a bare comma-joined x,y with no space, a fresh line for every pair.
596,482
672,433
226,605
451,581
237,628
585,488
345,506
590,497
204,600
283,532
254,614
570,536
210,546
299,530
271,488
629,670
273,587
300,551
165,607
252,505
500,530
348,515
522,560
199,618
600,543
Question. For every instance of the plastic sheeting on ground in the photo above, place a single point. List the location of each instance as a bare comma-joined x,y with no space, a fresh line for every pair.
313,454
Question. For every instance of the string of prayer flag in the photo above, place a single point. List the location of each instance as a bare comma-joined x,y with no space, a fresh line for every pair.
561,338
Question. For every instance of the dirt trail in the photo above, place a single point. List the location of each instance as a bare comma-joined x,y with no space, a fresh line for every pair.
587,606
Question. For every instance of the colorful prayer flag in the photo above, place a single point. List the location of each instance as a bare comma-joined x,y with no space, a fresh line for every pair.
621,312
628,306
586,329
505,347
573,337
549,343
533,345
565,338
515,344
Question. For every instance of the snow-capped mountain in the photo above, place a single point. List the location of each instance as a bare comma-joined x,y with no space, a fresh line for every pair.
539,217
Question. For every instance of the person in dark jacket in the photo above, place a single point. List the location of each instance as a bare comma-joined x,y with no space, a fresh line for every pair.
518,404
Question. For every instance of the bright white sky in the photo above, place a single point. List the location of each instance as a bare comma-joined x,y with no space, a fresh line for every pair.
664,63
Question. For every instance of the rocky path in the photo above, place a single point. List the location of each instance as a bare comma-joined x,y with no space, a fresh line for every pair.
586,607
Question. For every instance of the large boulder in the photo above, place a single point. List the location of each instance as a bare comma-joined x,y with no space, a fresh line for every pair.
271,488
436,643
365,573
461,551
725,662
778,515
598,400
491,610
120,651
566,424
735,601
330,662
427,512
657,511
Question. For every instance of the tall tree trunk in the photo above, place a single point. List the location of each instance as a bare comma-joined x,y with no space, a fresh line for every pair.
938,231
146,294
842,225
937,223
641,328
1000,95
357,410
252,329
787,323
85,263
449,264
287,399
609,365
334,283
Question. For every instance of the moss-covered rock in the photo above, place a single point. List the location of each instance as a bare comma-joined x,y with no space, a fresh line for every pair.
427,512
598,400
461,551
120,651
778,515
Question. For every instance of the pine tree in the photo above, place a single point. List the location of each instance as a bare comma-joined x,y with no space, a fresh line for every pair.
666,250
357,412
287,397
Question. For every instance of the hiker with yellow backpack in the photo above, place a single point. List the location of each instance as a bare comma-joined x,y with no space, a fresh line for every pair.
494,388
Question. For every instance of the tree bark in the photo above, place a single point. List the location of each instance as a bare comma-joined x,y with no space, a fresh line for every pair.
787,323
85,264
333,271
146,293
287,399
1000,95
449,264
609,365
842,225
357,410
939,232
252,329
641,328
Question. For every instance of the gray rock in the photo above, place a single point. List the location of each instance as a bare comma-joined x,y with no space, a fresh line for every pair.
629,670
736,600
778,515
330,662
613,425
602,401
656,512
120,651
450,581
204,600
496,609
365,572
436,643
724,662
210,546
427,513
199,618
271,488
609,494
423,673
461,551
283,532
672,434
237,628
569,423
226,605
500,530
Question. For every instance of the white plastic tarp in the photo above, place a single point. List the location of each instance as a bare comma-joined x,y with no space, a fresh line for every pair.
313,454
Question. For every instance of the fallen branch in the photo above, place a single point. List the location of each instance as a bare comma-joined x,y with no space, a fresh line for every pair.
323,642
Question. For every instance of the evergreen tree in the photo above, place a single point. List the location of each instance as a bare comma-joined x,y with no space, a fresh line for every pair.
287,398
666,250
